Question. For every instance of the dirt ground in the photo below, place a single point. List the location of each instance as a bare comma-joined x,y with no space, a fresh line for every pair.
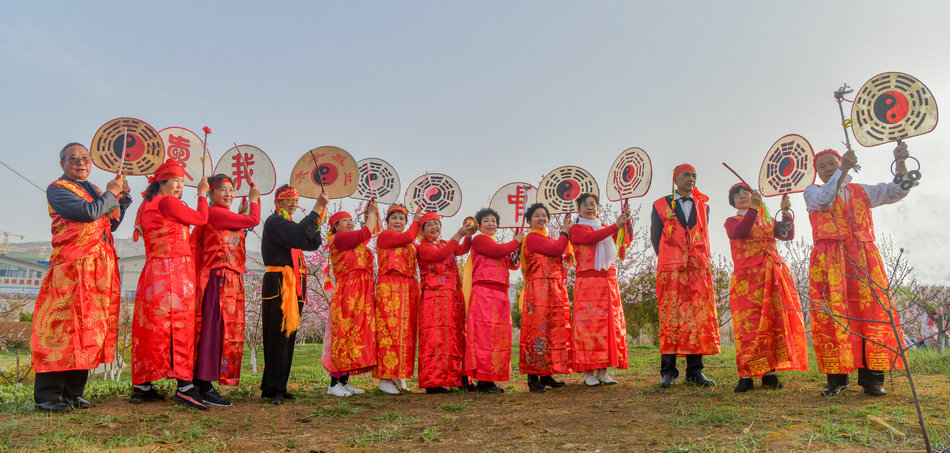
635,415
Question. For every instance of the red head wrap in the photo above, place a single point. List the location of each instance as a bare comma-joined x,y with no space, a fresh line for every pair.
398,208
219,182
285,192
338,217
828,151
170,169
681,167
429,216
740,184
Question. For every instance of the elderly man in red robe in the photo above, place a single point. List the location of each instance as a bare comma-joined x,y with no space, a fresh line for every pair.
689,324
76,315
853,313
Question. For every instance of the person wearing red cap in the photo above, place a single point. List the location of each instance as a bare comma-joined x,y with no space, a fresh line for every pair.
397,299
75,321
284,287
545,343
600,329
219,254
485,286
349,345
848,275
163,324
766,314
441,306
689,323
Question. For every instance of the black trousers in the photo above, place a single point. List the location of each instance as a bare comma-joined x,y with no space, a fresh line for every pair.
278,348
866,377
56,386
694,365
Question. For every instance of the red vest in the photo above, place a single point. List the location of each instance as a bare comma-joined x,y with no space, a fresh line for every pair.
681,248
436,274
399,260
221,248
584,256
346,261
539,265
752,250
845,220
164,238
72,239
490,270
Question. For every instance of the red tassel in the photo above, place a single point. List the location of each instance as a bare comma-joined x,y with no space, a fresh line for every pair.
327,284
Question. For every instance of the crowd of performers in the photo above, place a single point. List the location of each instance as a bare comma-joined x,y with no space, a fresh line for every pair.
410,294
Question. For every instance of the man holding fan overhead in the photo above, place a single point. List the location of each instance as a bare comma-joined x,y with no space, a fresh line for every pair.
689,324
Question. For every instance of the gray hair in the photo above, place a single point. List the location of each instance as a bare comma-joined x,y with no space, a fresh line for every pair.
62,152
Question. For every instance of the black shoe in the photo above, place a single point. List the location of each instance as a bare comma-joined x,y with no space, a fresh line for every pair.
535,385
52,407
467,385
212,397
78,402
190,399
550,382
288,396
700,380
666,381
832,389
488,387
745,384
143,396
277,400
434,390
875,390
771,381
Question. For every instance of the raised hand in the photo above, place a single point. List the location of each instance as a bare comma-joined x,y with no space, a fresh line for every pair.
203,186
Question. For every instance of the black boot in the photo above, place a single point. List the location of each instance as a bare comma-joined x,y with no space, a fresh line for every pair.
488,387
467,385
745,384
550,382
433,390
771,381
836,384
535,385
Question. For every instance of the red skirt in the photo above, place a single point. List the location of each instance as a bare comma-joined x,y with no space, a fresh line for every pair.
397,299
351,333
545,344
689,323
441,337
600,330
488,333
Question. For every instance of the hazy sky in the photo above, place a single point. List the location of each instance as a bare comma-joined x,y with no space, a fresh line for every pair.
488,92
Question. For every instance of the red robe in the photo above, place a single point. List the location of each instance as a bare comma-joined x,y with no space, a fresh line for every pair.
163,324
352,339
842,251
488,327
220,245
689,322
397,299
545,342
766,314
441,313
600,329
75,318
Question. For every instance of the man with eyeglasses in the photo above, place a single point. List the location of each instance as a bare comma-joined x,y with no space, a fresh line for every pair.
689,324
75,319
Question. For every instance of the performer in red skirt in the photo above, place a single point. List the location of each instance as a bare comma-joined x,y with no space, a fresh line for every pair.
397,299
350,341
600,330
488,327
766,314
545,343
219,250
442,307
163,324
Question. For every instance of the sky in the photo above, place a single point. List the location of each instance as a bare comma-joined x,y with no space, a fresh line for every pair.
487,92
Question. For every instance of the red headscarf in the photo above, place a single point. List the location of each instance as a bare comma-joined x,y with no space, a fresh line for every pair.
219,182
338,217
398,208
429,216
170,169
682,167
828,151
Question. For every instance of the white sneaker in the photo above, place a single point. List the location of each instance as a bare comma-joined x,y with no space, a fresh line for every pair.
401,384
354,390
338,390
604,378
591,380
387,386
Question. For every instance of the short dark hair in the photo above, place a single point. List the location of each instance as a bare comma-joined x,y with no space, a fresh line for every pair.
530,211
735,191
485,212
62,152
584,196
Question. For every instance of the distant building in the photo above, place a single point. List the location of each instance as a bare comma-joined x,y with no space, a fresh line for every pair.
19,276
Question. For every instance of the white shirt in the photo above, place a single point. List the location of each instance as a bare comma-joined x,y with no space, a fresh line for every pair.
686,206
820,197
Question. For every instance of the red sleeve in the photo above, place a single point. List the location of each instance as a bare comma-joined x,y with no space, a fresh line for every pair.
464,247
537,243
223,219
346,240
390,239
176,210
483,245
431,252
583,235
736,229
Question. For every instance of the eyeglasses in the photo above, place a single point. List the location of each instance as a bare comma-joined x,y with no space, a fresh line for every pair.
77,160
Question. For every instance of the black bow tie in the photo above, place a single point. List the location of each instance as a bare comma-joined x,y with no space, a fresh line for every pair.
689,199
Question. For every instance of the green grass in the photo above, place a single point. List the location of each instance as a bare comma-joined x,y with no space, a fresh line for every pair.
340,410
454,407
